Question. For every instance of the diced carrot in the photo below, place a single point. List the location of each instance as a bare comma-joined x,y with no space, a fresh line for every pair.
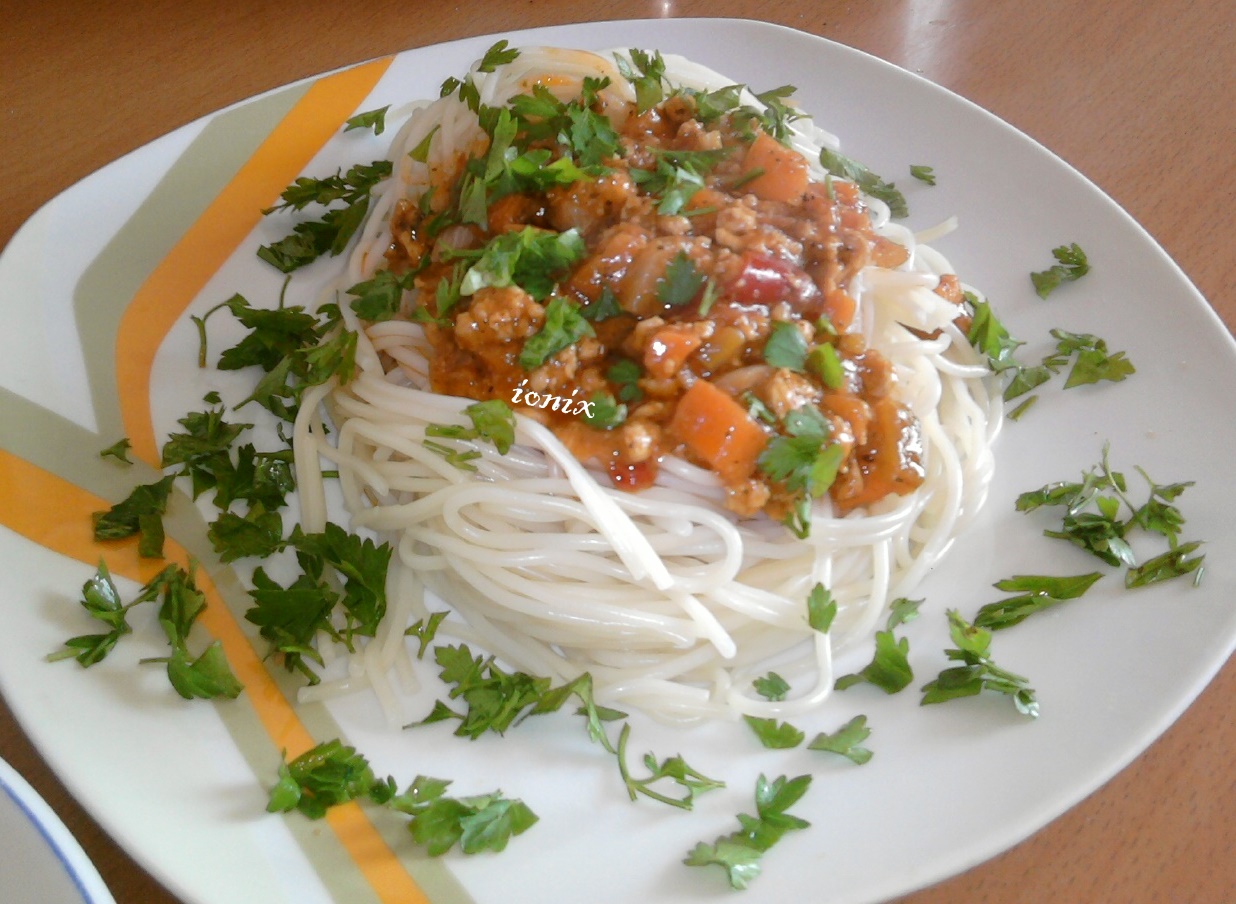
783,174
718,430
840,308
846,192
949,288
668,348
887,253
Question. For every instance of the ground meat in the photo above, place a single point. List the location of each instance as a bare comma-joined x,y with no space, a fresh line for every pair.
496,323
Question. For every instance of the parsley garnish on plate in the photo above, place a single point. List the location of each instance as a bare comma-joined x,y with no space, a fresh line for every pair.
344,199
978,672
331,773
1071,264
1099,516
740,853
370,119
206,675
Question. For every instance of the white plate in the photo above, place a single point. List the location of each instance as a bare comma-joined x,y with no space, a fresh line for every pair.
40,860
949,785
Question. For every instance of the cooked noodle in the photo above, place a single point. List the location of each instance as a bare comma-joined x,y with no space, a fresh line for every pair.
672,603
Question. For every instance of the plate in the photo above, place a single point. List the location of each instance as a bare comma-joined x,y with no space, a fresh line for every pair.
108,351
40,860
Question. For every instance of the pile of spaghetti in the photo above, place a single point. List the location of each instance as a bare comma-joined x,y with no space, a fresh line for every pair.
653,373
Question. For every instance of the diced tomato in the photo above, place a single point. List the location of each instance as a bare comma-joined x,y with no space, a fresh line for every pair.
762,280
633,476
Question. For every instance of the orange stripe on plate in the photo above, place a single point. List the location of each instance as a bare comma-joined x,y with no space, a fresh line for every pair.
28,493
180,276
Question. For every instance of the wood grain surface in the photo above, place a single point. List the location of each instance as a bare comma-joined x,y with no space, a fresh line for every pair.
1139,95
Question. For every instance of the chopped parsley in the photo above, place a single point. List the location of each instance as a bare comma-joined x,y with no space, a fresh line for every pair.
786,347
530,258
977,672
843,167
1034,593
740,853
332,231
605,412
646,73
1071,264
889,669
330,774
206,675
370,119
846,741
681,283
564,326
804,461
492,420
1099,516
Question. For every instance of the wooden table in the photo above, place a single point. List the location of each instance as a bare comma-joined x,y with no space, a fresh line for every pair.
1140,95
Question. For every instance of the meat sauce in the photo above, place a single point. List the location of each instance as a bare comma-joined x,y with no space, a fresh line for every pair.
768,249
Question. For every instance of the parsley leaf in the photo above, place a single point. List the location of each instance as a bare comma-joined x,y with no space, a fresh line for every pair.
564,326
101,600
845,741
605,307
1071,265
646,73
330,774
499,54
322,777
483,822
773,734
1093,362
740,853
786,347
118,450
1171,564
370,119
977,672
889,669
902,610
677,177
530,258
626,374
1094,513
674,768
141,513
604,412
771,687
803,461
681,283
1034,594
492,420
923,174
380,297
821,608
846,168
205,676
332,231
